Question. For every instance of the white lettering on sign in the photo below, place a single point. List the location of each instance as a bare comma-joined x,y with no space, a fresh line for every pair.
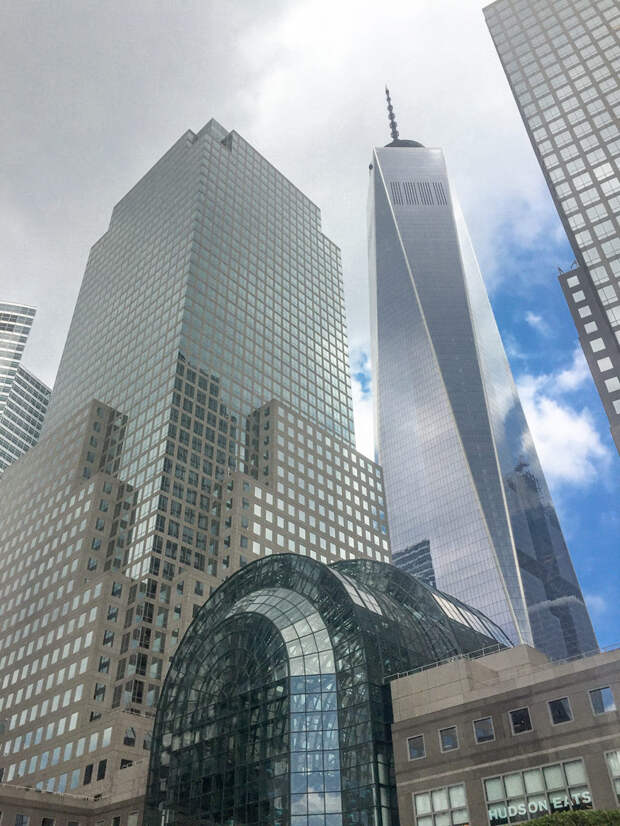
558,802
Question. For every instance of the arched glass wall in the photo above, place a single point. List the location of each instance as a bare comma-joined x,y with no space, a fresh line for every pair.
275,710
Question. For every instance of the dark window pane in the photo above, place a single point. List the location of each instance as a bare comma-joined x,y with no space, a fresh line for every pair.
416,747
483,730
520,720
602,700
560,710
448,738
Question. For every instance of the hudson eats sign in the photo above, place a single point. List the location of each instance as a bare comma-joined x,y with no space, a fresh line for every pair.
556,803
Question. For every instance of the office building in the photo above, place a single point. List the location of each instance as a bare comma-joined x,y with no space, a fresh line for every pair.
460,467
276,710
509,737
562,61
201,419
417,561
23,398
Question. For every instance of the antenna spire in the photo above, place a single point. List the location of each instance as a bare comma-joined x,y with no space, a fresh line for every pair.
392,119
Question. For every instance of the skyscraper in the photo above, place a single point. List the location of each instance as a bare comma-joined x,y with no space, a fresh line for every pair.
562,60
201,419
23,397
460,467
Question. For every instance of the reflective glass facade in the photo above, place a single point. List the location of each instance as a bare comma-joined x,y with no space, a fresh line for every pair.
459,462
212,312
275,709
562,60
23,398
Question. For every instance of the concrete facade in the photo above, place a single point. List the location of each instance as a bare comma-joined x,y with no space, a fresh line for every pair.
450,697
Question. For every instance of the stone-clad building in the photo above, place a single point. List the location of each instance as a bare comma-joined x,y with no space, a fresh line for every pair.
508,737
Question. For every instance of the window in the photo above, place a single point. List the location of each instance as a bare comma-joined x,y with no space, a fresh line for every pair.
560,711
613,764
415,747
524,795
447,805
101,769
520,721
483,730
132,819
130,737
448,738
21,820
88,774
602,700
47,821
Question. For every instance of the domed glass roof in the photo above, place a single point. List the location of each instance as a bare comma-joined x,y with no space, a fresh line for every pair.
276,705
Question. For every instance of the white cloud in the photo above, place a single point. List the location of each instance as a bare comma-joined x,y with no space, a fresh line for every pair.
364,420
303,82
566,438
574,376
597,605
538,323
363,410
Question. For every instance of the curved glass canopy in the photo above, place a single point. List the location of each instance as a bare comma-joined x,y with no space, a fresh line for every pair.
276,709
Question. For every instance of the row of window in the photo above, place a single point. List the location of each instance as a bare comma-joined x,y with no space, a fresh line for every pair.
521,795
560,711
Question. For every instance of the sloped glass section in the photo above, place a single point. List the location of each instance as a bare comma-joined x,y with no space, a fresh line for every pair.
459,464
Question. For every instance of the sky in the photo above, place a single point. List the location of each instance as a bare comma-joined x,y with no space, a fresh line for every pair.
93,93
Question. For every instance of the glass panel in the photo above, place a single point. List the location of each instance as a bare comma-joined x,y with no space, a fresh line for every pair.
538,803
440,800
533,780
560,710
602,700
575,772
517,810
422,803
514,784
484,729
449,739
553,777
457,796
460,817
494,789
520,720
613,761
416,747
442,819
425,821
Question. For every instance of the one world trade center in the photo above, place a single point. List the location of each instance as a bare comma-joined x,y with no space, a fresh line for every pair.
463,481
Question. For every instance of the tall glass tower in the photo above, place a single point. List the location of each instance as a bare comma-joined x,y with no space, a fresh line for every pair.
201,419
460,467
562,61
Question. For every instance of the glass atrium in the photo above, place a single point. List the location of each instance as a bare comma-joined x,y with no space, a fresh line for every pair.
276,708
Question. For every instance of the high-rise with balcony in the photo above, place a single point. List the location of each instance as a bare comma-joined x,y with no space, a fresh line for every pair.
201,418
562,61
23,397
465,488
